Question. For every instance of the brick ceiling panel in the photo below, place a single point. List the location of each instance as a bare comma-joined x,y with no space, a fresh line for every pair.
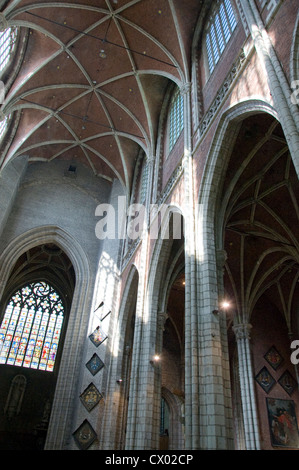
93,68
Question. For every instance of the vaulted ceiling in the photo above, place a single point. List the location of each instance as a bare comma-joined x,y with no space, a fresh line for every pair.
90,90
259,206
93,78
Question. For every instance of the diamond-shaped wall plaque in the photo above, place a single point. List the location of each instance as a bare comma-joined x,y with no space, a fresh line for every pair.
274,358
84,435
90,397
265,379
288,382
95,364
98,336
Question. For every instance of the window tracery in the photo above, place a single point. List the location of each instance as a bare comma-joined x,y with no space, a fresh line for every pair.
31,327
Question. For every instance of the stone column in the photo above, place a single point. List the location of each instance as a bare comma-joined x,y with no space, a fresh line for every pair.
288,112
191,311
161,319
214,375
140,423
251,431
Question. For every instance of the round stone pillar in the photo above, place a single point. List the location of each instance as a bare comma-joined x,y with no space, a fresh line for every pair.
251,431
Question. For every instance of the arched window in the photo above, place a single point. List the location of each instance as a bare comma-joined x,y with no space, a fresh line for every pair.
31,327
220,28
7,43
176,119
143,186
15,396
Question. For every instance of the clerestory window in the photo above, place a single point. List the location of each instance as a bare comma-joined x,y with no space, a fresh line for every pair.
176,119
31,327
220,28
143,186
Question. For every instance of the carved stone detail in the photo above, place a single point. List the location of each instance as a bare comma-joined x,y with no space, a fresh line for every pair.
242,331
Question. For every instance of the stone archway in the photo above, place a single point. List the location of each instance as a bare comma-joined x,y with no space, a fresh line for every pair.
259,211
211,248
253,217
116,413
61,415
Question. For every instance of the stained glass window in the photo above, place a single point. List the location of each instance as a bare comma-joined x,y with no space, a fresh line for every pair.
31,327
176,118
221,27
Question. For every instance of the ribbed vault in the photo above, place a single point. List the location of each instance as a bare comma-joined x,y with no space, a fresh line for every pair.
260,209
93,78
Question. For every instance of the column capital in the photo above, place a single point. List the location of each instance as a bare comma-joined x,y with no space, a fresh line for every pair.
221,257
150,159
185,88
242,331
162,317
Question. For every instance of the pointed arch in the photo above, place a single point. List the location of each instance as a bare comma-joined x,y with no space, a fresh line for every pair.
77,324
120,371
215,169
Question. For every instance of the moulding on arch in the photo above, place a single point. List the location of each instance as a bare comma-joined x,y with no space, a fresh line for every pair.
38,236
217,155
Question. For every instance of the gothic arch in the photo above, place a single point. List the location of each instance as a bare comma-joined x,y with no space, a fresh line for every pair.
218,158
119,378
216,210
161,252
210,226
167,263
127,303
176,417
78,319
246,252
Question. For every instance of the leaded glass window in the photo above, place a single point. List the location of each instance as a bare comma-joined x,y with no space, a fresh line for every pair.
7,42
143,187
220,28
31,327
176,118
